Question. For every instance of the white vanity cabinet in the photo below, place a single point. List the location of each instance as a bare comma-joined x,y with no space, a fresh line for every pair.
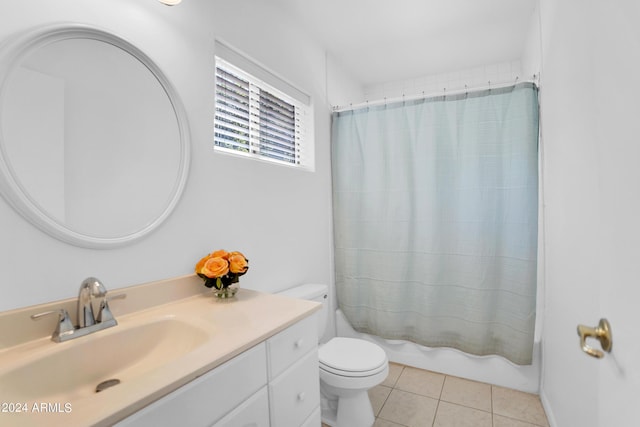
274,383
208,398
254,412
294,383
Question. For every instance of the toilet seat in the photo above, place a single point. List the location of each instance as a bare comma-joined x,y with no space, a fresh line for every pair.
352,357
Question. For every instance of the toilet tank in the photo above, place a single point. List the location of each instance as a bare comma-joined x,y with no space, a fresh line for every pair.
313,292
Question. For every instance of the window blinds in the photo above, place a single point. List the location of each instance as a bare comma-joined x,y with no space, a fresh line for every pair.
255,119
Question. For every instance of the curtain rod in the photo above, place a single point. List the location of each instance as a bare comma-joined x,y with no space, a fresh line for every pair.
423,95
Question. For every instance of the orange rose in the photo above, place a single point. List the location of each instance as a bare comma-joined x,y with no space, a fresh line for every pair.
200,264
238,263
215,267
220,253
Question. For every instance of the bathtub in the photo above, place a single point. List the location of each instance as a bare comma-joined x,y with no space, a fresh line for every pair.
488,369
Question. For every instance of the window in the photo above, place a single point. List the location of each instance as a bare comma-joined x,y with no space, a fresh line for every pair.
255,119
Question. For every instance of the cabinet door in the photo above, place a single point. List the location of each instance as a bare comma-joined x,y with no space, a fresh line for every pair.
252,413
296,393
314,419
208,398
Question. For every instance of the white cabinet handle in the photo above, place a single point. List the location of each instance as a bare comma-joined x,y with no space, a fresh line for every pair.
301,396
299,343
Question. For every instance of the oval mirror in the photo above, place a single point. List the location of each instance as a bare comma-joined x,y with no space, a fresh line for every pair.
94,143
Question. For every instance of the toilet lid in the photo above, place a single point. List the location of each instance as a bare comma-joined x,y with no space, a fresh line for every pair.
352,355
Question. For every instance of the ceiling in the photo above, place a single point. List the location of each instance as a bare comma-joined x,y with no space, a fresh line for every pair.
380,41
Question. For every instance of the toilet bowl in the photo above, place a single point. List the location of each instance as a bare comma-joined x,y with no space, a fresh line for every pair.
349,367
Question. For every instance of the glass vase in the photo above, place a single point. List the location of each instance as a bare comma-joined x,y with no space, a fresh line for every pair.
227,292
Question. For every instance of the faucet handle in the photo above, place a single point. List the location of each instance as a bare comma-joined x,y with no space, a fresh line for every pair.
91,289
105,315
64,327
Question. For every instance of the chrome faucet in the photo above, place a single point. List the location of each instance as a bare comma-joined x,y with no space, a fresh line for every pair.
92,293
91,290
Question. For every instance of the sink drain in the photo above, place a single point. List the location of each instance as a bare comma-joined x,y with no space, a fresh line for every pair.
106,384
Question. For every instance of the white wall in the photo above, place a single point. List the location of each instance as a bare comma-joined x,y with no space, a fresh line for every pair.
531,49
501,73
279,217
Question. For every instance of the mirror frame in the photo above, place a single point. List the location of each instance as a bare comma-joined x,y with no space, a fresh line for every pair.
11,55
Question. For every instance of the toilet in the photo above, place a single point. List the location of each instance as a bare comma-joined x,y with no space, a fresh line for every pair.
349,367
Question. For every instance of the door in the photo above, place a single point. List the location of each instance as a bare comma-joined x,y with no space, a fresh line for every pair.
590,99
617,67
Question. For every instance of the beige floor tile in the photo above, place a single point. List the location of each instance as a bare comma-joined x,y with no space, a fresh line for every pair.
409,409
422,382
409,397
378,395
467,393
518,405
451,415
384,423
395,369
500,421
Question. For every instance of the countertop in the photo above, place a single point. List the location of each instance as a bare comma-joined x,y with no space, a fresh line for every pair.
233,326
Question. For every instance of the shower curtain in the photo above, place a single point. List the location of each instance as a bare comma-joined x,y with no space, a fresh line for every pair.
435,220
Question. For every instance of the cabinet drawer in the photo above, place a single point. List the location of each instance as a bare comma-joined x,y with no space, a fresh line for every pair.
291,344
296,393
208,398
254,412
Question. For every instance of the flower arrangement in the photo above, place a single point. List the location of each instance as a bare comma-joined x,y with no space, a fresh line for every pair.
220,268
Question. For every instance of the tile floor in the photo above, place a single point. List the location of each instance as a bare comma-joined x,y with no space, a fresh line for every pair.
411,397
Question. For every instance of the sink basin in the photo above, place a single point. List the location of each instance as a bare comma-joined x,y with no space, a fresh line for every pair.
73,369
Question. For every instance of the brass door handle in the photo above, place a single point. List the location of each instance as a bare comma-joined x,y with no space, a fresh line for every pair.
602,333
